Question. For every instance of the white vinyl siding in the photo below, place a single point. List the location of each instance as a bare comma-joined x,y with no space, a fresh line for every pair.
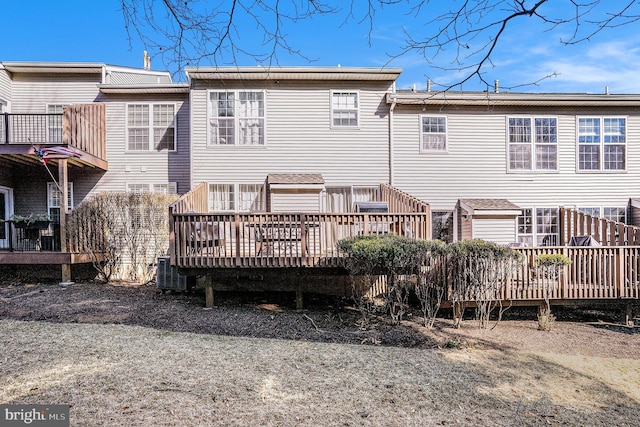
298,137
236,118
433,134
344,109
295,201
145,166
476,165
498,230
602,143
151,127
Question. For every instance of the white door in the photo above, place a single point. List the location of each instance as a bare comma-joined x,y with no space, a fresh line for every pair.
6,210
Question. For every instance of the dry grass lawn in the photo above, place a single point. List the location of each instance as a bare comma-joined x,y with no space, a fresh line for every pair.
115,375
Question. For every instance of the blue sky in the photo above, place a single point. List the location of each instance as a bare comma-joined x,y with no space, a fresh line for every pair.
93,31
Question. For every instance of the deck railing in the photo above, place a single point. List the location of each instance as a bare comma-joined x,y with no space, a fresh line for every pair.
278,239
402,202
14,238
607,232
596,272
79,126
84,127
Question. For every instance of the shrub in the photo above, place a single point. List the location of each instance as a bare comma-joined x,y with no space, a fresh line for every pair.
478,271
549,268
391,256
123,233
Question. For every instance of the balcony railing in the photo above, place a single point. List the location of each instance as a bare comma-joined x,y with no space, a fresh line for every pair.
43,237
79,126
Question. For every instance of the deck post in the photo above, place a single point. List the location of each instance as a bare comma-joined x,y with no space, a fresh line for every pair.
299,301
208,288
64,206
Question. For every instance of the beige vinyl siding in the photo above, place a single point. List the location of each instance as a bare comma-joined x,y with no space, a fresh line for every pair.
32,93
295,201
299,137
148,167
5,86
497,230
475,164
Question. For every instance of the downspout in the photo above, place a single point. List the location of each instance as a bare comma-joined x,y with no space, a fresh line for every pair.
391,156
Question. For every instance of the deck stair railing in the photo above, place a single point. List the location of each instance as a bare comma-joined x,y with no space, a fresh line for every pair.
401,202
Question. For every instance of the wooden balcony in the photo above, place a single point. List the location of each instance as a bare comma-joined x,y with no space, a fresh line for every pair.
80,128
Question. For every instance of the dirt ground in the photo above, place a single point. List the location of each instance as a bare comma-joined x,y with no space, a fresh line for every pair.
324,319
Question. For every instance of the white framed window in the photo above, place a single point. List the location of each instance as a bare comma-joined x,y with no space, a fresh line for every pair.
433,133
345,111
602,143
343,199
54,200
54,123
237,197
237,118
166,188
151,127
251,198
617,214
533,143
539,227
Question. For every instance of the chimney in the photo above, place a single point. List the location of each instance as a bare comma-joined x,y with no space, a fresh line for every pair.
146,62
429,85
496,86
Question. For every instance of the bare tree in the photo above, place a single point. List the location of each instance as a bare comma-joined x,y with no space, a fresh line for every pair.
462,37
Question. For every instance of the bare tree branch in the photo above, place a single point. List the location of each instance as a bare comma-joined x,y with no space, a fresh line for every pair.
462,39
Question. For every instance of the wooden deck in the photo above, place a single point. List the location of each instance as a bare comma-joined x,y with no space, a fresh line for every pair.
220,243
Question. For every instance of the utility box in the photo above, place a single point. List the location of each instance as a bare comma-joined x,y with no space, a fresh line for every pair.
168,278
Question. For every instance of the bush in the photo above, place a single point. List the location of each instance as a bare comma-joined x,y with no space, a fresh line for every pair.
478,271
391,256
130,230
549,268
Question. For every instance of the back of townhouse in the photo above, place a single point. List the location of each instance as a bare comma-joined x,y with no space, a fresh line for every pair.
537,151
147,132
511,158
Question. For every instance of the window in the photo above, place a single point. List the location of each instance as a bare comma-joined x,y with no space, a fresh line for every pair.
344,109
251,198
343,199
54,200
237,118
590,211
151,127
538,227
433,134
54,122
169,188
615,214
533,149
237,197
602,143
